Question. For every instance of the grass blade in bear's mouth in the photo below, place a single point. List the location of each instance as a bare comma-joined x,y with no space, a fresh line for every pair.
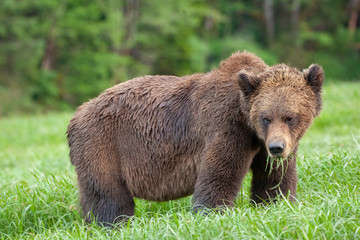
279,163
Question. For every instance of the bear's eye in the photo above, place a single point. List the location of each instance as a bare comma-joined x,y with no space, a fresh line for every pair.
289,120
266,121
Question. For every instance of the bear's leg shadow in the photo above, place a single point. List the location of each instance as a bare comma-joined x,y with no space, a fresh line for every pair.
270,181
104,194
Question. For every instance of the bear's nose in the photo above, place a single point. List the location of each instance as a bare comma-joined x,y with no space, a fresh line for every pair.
276,148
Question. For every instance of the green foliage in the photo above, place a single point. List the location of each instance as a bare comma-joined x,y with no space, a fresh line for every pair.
56,54
221,49
166,36
83,33
39,196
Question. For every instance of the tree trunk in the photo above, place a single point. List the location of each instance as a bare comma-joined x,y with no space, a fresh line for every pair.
354,6
49,55
131,15
268,9
295,13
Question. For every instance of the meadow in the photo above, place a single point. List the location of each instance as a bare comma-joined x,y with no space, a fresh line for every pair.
39,196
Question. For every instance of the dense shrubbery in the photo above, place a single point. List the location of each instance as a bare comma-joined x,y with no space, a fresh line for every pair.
55,54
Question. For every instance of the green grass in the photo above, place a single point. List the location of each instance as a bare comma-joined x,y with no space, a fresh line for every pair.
39,197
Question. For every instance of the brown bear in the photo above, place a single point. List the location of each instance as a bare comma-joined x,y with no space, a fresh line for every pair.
164,137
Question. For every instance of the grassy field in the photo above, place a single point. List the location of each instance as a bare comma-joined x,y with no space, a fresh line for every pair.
39,197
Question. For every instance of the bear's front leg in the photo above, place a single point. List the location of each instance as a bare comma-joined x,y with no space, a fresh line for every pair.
222,170
272,178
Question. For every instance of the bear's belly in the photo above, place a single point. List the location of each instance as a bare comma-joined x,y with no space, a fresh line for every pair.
162,180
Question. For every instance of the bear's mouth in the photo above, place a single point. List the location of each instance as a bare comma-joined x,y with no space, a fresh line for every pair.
279,156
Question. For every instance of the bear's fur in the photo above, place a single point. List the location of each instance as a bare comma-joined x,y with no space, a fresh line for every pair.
164,137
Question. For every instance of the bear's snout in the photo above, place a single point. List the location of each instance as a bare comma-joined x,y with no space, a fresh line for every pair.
276,148
278,141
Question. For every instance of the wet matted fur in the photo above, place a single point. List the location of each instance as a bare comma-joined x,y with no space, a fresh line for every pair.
164,137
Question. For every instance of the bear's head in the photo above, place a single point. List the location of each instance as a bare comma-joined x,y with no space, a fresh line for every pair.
281,103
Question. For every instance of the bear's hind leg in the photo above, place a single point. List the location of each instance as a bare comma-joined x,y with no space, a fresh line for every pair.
104,193
106,206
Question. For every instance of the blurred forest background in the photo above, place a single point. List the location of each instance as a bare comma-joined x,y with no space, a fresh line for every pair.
56,54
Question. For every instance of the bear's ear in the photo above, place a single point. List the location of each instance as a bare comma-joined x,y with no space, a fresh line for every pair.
248,82
314,76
